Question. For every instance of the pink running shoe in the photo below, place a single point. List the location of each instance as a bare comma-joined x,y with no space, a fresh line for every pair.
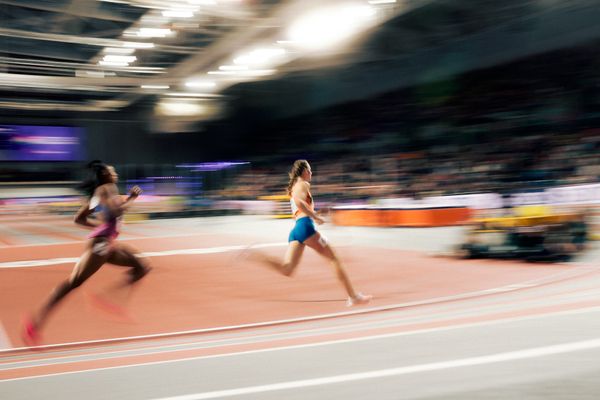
358,299
30,334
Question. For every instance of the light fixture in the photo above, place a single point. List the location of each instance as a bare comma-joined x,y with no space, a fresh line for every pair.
259,56
119,58
233,67
157,87
119,50
254,72
188,94
113,63
179,108
178,13
200,84
154,32
138,45
327,27
203,2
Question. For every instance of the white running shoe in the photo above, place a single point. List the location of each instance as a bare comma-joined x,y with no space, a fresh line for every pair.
358,299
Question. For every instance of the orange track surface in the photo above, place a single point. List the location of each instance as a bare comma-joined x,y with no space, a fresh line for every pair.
189,292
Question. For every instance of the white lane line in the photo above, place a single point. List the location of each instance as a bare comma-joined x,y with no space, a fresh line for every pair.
132,239
383,373
205,250
38,263
509,288
5,343
211,250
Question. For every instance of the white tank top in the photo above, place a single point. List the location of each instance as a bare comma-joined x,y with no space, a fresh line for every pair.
295,209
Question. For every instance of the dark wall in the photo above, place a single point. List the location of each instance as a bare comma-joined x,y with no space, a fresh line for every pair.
113,139
118,141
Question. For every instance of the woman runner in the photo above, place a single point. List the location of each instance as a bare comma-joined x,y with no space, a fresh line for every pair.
102,197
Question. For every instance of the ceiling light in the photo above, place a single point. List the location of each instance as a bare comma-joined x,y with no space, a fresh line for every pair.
119,58
259,72
255,72
259,56
178,13
203,2
381,1
233,67
179,108
188,94
158,87
138,45
200,84
328,27
119,50
154,32
113,63
223,72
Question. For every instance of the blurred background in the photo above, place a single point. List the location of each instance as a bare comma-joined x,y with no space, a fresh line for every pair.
437,131
396,103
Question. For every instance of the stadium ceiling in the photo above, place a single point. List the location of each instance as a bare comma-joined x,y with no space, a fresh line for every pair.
90,55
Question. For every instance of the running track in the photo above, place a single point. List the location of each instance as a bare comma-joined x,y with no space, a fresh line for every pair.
208,323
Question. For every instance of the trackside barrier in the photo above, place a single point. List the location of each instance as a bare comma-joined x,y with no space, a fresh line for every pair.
398,217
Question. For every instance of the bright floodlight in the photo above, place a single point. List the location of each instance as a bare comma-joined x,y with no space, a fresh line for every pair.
203,2
119,58
154,32
155,87
138,45
327,27
119,50
178,13
233,67
189,95
113,63
259,56
200,84
249,73
177,108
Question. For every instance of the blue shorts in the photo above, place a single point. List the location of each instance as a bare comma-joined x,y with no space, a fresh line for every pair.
304,228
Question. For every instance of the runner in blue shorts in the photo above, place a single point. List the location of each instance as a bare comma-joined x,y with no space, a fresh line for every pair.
305,234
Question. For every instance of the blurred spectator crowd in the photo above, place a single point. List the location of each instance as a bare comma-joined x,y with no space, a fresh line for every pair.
524,126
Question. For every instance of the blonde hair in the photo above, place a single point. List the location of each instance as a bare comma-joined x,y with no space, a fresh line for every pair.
298,168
